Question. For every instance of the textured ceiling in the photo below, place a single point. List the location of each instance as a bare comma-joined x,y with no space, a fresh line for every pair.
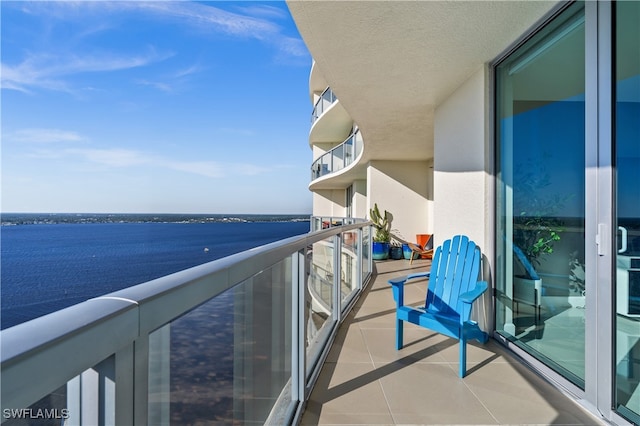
391,63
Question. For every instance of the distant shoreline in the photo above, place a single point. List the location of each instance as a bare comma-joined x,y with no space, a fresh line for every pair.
13,219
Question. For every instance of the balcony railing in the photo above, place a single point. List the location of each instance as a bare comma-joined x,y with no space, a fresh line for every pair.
237,340
323,222
327,98
339,157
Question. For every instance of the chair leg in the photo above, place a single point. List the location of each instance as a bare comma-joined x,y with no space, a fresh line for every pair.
399,333
463,357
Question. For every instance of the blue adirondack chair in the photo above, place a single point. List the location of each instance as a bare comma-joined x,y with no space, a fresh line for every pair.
453,287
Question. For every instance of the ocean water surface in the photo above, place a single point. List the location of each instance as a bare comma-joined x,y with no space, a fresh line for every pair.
49,262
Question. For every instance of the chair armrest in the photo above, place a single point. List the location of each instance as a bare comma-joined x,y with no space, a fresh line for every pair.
419,275
472,295
398,285
399,281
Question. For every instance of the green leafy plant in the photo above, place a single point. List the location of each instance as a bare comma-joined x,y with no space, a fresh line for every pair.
381,223
537,227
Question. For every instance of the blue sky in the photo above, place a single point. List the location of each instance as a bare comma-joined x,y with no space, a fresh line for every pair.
181,107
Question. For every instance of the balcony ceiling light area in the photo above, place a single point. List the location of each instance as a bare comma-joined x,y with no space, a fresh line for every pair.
392,63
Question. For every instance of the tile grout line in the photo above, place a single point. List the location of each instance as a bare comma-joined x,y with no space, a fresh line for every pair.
481,403
384,393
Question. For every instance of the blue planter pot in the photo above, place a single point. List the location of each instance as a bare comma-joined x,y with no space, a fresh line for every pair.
380,251
407,252
396,253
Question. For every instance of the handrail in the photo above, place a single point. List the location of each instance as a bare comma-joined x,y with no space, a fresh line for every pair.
338,157
327,98
323,222
39,356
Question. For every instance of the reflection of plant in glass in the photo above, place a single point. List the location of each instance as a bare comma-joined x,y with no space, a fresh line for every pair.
576,275
536,226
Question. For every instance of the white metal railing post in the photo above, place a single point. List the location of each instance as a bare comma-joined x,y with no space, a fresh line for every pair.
337,274
331,157
360,253
298,329
124,377
159,378
141,380
370,248
91,396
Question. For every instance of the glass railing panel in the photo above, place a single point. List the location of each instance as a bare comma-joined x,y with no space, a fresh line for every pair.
49,411
366,252
349,153
348,267
228,360
337,155
326,164
337,158
357,145
319,297
322,104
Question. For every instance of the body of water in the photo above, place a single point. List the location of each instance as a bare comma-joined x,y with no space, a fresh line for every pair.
49,262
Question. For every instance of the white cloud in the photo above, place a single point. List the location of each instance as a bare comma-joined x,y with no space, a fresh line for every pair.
210,18
115,157
213,169
203,168
48,71
164,87
45,136
120,158
265,11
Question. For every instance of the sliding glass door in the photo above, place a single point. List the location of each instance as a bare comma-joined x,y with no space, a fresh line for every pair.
627,159
540,277
567,137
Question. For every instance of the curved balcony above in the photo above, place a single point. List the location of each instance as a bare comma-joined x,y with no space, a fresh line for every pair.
317,83
338,158
329,120
327,98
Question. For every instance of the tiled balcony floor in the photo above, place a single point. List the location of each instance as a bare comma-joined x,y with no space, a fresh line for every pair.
365,381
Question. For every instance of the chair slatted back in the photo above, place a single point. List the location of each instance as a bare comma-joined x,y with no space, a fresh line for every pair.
454,270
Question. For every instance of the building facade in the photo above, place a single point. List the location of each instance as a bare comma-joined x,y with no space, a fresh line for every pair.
517,124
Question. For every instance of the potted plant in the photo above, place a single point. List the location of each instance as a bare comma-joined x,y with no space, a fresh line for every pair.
536,229
382,236
395,251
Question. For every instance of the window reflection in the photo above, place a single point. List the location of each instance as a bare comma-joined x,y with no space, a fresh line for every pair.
627,148
541,251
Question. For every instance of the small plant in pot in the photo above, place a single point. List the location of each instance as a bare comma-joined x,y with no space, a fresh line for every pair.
395,252
382,236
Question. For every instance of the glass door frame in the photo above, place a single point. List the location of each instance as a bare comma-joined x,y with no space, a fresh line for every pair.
600,212
600,208
540,367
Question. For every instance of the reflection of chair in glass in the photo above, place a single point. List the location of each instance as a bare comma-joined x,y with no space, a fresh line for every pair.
453,287
527,290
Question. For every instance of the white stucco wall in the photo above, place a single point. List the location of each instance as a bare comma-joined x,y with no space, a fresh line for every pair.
330,202
360,208
462,176
462,202
402,188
